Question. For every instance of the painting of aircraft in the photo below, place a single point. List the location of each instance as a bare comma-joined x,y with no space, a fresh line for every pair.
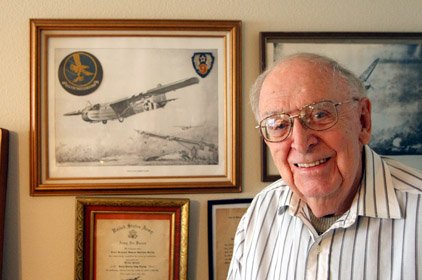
365,75
120,109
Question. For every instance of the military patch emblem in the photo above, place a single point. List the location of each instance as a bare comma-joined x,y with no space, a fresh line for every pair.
202,63
80,73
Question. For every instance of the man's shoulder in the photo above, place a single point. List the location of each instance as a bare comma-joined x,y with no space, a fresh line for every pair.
276,192
277,186
266,203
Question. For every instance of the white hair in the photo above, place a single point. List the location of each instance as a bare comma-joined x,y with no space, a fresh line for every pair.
354,83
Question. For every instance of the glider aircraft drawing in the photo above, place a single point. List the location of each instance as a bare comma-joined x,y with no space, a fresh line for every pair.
120,109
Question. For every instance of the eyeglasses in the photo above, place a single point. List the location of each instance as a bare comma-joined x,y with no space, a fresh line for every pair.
316,116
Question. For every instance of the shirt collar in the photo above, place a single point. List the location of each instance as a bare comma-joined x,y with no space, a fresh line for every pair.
377,197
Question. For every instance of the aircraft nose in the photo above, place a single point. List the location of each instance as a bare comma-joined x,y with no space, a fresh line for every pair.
85,116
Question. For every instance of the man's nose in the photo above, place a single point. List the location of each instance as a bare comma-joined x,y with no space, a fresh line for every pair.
303,138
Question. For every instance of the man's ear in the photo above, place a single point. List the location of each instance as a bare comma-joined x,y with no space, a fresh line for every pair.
365,121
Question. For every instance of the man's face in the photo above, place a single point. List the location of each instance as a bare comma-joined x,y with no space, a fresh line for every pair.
318,165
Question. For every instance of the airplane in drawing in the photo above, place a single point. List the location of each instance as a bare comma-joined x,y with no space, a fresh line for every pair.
120,109
365,75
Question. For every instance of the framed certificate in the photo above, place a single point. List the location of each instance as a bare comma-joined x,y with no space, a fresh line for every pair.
4,159
223,219
131,238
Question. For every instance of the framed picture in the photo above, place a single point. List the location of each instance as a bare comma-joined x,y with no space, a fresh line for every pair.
389,65
4,160
131,238
135,106
223,219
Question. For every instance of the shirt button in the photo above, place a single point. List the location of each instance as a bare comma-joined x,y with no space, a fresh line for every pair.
281,210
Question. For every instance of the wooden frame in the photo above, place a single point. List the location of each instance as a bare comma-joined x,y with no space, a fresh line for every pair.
135,106
4,160
386,62
123,238
223,219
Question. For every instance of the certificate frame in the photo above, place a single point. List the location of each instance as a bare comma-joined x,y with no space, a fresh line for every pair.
378,59
117,106
223,218
117,237
4,163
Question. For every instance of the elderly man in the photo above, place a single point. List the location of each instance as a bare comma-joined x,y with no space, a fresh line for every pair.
340,210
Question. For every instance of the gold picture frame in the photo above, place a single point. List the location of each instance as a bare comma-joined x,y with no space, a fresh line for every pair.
131,238
134,106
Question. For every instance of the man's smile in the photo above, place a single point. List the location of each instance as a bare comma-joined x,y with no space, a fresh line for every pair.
311,164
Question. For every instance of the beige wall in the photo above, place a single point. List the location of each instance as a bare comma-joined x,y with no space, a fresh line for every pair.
39,238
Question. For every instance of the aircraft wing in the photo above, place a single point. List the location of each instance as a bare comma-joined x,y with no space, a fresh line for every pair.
122,105
160,89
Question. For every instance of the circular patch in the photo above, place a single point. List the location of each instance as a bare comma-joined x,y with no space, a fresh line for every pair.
80,73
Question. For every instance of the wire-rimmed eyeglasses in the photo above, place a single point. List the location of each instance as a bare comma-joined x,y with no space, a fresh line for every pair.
316,116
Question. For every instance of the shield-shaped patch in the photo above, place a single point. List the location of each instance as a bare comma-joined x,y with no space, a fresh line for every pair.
202,63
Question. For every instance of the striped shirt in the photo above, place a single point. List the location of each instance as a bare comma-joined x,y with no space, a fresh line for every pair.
379,237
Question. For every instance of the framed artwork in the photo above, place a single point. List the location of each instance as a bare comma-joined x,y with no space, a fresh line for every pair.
131,238
389,65
4,160
223,219
134,106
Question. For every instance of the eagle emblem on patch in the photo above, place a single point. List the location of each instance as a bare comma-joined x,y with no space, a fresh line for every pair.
80,73
202,63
